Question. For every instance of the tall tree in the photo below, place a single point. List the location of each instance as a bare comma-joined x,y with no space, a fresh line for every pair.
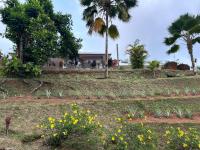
99,14
38,32
187,29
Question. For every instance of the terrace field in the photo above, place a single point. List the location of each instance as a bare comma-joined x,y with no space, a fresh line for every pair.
133,97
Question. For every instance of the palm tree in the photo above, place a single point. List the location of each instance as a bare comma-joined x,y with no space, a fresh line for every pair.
98,15
186,28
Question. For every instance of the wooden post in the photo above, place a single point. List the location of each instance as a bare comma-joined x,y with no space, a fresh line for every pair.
118,55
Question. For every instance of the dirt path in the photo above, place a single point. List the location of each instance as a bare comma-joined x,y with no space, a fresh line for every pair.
57,101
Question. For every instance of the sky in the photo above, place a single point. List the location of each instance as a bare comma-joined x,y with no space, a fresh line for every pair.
149,23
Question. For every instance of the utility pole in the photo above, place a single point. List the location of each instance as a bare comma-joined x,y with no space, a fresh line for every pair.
118,55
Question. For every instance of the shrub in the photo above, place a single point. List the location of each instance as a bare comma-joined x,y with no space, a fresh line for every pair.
179,139
15,68
153,65
77,122
134,137
138,54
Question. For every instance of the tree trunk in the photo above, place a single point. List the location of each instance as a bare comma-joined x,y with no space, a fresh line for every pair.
192,60
106,48
190,50
21,49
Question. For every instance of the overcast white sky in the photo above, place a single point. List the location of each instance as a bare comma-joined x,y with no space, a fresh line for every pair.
149,23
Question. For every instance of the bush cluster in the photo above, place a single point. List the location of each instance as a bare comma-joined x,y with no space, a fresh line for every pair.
134,137
77,122
15,68
177,138
123,136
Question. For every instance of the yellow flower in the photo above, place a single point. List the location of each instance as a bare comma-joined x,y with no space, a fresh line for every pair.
185,145
119,119
65,114
167,132
52,126
60,121
149,137
141,138
113,138
75,121
199,145
119,131
121,138
64,133
75,112
181,133
149,131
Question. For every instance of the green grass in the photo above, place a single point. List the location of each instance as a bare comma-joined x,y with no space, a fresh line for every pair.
108,98
92,86
26,116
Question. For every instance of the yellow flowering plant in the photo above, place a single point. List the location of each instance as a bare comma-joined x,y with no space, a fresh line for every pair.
76,121
185,139
134,137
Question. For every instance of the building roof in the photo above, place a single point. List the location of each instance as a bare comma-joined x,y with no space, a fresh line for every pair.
91,53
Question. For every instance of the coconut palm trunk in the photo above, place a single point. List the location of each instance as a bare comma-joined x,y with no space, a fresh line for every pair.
190,49
106,48
192,60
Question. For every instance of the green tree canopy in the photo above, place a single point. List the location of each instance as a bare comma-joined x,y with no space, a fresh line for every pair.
38,32
187,29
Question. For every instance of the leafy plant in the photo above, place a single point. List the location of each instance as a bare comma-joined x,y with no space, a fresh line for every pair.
15,68
138,54
158,113
188,114
77,122
133,137
177,92
167,113
187,90
153,65
60,93
4,95
179,112
140,114
182,139
48,93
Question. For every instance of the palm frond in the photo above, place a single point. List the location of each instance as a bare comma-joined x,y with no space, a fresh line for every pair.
173,49
123,13
171,40
195,29
131,3
98,24
86,2
196,40
102,31
113,32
